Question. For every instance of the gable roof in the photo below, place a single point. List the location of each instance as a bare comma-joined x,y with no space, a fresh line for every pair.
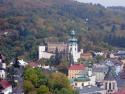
4,84
77,67
120,91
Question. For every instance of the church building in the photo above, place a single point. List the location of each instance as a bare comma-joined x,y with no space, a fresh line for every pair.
70,48
73,47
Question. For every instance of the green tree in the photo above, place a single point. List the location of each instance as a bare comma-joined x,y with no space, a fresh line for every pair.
28,86
99,59
43,90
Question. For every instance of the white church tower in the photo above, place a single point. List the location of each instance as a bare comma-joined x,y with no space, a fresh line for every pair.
2,68
73,47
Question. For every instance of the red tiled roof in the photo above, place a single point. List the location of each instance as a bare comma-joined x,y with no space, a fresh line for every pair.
86,54
4,84
121,91
77,67
33,64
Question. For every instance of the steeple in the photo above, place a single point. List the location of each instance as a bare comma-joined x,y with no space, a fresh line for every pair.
110,74
73,40
2,67
73,46
90,69
110,83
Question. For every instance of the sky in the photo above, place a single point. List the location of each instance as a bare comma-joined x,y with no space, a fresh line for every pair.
106,2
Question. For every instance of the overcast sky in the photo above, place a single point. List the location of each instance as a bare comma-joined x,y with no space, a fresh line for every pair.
106,2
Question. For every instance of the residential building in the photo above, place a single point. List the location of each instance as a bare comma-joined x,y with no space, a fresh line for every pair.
86,56
75,69
5,87
100,71
120,91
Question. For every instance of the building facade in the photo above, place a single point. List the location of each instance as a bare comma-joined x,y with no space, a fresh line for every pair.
75,69
110,84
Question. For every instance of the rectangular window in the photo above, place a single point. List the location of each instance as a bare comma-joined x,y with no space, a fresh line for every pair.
113,85
75,84
106,85
82,84
110,87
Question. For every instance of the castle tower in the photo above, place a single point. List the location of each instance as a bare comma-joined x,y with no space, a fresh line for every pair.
73,47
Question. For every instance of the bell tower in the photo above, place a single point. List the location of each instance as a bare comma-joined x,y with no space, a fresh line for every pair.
73,46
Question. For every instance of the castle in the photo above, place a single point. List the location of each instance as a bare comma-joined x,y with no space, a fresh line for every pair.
71,48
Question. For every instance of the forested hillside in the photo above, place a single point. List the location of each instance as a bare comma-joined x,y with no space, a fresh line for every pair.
25,24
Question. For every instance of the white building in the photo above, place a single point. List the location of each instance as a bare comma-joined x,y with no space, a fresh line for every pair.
43,53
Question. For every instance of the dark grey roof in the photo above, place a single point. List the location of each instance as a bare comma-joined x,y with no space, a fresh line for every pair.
100,68
110,74
90,89
2,69
120,82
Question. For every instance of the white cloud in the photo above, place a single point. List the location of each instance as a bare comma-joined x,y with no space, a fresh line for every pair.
106,2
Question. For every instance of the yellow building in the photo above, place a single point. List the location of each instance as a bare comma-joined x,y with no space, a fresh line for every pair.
75,69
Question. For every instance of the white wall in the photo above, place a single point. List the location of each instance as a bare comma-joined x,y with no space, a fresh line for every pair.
79,84
92,80
43,54
2,74
99,76
7,90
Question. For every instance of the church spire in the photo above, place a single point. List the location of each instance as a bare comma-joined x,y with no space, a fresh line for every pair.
73,46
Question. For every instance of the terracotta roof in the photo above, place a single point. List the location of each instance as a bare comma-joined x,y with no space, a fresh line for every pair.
77,67
121,91
33,64
4,84
86,54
